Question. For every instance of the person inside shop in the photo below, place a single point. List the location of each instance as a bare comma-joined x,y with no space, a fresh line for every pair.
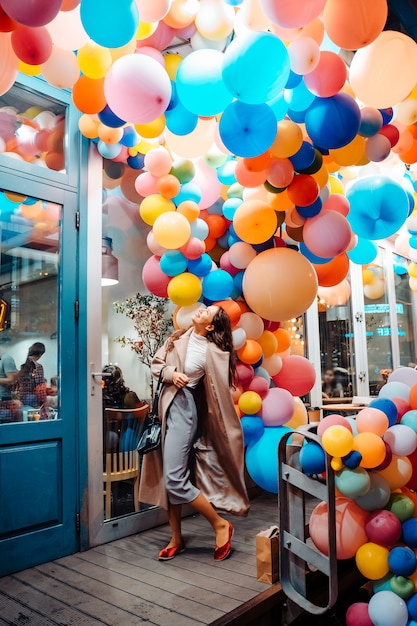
330,387
201,459
9,406
31,380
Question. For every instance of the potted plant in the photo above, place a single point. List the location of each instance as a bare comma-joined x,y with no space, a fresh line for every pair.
152,323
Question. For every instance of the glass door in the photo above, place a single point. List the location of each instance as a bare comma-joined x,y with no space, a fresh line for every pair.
118,380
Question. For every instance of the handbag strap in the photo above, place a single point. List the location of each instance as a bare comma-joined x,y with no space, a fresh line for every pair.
157,393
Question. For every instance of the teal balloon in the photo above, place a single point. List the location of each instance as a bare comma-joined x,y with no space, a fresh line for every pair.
378,495
173,262
353,483
378,207
410,419
253,428
262,458
279,106
217,285
200,85
364,252
180,121
188,191
110,24
299,98
226,172
248,130
256,67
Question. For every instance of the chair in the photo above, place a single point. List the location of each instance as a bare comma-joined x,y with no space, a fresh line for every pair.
122,429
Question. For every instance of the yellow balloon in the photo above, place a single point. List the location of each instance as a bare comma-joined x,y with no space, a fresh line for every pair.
153,206
146,29
350,154
184,289
288,140
171,230
32,112
250,402
29,70
336,185
172,63
94,60
412,270
152,129
372,560
299,417
368,277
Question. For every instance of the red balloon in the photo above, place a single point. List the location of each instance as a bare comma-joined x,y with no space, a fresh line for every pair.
383,528
402,406
391,132
329,75
358,615
6,23
32,45
303,190
297,375
32,12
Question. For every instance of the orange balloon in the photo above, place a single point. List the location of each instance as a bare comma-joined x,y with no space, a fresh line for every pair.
250,353
279,201
283,338
31,211
232,309
353,24
168,186
88,94
333,272
413,397
258,163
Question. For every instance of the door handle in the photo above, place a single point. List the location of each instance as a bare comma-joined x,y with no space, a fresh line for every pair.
93,376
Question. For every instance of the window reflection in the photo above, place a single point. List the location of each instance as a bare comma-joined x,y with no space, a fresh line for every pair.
30,241
32,128
405,312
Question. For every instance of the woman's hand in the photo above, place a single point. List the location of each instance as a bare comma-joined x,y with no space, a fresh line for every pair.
179,379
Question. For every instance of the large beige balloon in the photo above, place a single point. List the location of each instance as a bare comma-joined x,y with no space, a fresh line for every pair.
279,284
384,73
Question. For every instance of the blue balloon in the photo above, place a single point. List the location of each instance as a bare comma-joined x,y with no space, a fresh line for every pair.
378,207
388,407
388,609
229,207
173,262
262,458
238,282
201,266
226,172
313,258
253,428
188,191
200,85
299,98
248,130
217,285
109,150
402,561
333,122
136,162
256,67
278,106
296,116
180,121
311,210
410,532
312,458
109,25
107,117
364,252
130,137
304,157
387,115
293,80
199,229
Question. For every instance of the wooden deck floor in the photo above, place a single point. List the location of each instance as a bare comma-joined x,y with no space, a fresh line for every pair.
123,584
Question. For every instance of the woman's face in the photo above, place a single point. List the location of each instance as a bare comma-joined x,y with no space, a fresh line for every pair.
204,317
328,376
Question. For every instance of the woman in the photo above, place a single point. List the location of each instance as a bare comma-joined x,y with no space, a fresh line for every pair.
330,387
200,427
31,379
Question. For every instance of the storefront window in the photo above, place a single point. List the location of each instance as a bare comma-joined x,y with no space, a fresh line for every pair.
32,129
30,234
404,299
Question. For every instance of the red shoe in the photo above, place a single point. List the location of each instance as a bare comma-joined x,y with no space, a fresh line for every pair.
169,553
221,553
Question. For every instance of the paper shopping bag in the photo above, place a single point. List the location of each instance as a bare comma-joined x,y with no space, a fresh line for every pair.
267,555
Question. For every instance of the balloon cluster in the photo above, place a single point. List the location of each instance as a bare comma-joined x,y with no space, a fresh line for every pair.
373,456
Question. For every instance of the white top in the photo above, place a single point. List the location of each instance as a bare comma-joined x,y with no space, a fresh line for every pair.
195,360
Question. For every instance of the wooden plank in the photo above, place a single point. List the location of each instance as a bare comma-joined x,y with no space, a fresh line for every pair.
14,612
43,608
126,591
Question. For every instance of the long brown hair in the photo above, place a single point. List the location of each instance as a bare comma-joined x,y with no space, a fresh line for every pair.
221,336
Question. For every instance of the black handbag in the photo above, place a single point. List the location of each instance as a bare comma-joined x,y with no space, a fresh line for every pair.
151,435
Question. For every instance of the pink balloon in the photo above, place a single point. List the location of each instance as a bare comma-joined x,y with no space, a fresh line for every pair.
154,279
153,11
226,265
137,88
152,52
160,39
206,179
358,615
260,385
193,249
277,407
280,173
332,420
329,75
32,12
153,245
292,13
327,235
337,202
146,184
9,64
297,375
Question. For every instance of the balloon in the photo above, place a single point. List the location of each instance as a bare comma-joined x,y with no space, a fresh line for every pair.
327,235
297,375
358,615
154,206
262,458
287,272
247,130
260,385
387,609
185,314
395,390
114,32
31,13
252,325
32,45
402,561
332,420
303,190
158,162
409,532
154,279
328,77
312,458
292,15
333,122
200,85
401,439
184,289
277,407
372,560
337,440
364,252
408,419
350,528
300,415
371,447
372,420
61,69
250,402
406,375
153,11
398,472
88,94
246,56
377,496
401,505
253,429
304,55
389,50
137,88
354,25
383,528
173,263
171,230
352,483
217,285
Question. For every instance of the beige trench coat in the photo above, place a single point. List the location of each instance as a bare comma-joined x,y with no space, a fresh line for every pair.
219,452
